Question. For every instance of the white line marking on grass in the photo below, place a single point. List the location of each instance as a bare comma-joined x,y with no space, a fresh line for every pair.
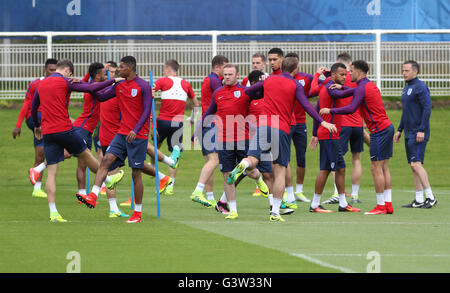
292,222
387,254
322,263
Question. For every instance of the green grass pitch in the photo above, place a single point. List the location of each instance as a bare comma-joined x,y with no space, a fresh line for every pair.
189,238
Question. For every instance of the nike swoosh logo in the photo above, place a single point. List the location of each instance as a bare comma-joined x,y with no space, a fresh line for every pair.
137,164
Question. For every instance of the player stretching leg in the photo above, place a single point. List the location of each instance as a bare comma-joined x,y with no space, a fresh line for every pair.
52,96
135,98
280,92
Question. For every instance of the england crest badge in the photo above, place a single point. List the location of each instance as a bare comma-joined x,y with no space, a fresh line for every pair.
134,92
409,91
237,94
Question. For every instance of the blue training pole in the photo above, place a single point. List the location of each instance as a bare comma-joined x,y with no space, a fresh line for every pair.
158,210
88,172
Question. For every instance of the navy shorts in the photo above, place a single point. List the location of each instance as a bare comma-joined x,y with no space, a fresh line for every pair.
415,151
271,144
381,144
300,139
55,143
354,135
116,164
85,135
171,130
230,154
208,140
30,124
331,156
136,151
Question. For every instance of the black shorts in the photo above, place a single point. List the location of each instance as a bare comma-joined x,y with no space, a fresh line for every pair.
171,130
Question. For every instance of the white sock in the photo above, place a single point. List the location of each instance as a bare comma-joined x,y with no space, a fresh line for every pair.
161,175
355,190
246,163
38,185
223,198
52,207
290,194
316,200
271,199
95,189
342,201
200,187
210,195
113,205
168,161
419,196
39,168
232,205
380,199
138,207
103,185
429,193
299,188
335,189
82,191
173,182
388,195
107,179
276,206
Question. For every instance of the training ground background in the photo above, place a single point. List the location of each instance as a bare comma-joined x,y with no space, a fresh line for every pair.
189,238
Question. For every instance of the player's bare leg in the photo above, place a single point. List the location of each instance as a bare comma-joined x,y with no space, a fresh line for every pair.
206,181
50,186
101,176
379,180
356,176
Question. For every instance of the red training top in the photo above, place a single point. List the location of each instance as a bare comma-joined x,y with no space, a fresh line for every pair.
175,91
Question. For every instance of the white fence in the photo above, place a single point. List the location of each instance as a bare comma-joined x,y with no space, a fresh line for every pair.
22,54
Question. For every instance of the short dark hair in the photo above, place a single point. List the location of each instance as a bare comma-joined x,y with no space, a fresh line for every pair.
95,68
361,65
337,65
64,63
254,76
344,57
112,64
219,60
277,51
130,60
292,54
229,65
259,55
289,64
413,64
50,61
172,63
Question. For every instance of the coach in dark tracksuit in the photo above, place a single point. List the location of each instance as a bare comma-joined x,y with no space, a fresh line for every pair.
415,122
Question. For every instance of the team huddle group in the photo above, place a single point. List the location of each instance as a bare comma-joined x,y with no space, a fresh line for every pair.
246,128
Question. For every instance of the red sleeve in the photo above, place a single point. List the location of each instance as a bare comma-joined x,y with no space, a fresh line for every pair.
26,104
315,87
23,112
86,77
188,89
245,81
307,87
